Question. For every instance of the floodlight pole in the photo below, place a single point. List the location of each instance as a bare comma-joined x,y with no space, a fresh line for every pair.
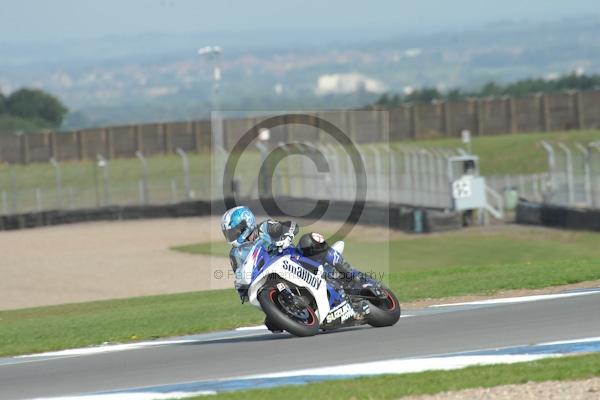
213,53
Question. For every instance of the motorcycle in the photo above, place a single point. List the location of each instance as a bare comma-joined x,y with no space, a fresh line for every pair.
301,295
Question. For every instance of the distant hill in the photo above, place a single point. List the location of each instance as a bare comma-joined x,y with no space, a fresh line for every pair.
160,77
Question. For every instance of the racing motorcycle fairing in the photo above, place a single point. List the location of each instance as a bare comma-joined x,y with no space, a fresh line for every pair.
260,267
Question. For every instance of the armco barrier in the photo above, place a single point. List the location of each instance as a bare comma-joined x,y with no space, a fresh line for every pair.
392,216
437,221
557,216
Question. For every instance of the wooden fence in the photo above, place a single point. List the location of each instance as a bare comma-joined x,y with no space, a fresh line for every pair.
493,116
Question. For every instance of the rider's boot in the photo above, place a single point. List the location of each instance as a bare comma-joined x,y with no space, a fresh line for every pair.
353,279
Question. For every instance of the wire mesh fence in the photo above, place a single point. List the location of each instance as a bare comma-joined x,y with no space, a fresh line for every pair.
573,175
394,173
531,187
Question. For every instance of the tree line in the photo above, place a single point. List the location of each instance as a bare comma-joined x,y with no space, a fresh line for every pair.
29,110
491,89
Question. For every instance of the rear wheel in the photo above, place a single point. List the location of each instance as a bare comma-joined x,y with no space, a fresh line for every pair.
384,311
288,311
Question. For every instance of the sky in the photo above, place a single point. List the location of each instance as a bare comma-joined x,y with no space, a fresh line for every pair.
52,21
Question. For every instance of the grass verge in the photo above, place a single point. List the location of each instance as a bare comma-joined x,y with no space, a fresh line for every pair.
515,154
75,325
437,266
397,386
471,261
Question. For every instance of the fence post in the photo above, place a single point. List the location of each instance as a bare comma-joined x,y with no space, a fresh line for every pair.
535,186
137,133
587,175
264,184
144,176
4,203
350,124
173,191
186,173
593,147
408,192
569,159
103,163
24,148
479,115
58,177
166,134
415,124
441,177
195,136
447,119
545,112
577,99
551,164
38,200
512,114
384,125
108,140
378,173
80,145
13,190
54,149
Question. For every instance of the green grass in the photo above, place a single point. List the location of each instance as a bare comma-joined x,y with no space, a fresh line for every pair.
514,154
82,181
471,261
75,325
397,386
436,266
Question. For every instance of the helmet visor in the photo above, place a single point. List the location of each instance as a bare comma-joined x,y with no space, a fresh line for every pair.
231,235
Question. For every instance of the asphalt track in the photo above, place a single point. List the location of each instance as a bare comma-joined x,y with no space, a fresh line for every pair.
431,331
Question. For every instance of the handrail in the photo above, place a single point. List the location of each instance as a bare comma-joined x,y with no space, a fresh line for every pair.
496,212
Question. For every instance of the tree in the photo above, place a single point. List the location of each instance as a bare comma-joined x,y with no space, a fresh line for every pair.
425,95
33,104
491,89
2,104
384,100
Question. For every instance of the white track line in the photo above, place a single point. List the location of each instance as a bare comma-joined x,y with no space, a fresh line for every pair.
586,340
104,349
139,345
252,328
133,396
522,299
402,366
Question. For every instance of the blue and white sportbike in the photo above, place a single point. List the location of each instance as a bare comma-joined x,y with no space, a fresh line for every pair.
302,296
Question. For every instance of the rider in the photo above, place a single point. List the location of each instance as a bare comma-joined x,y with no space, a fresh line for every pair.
239,227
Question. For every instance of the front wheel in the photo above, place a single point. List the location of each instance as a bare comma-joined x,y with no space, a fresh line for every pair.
384,311
288,311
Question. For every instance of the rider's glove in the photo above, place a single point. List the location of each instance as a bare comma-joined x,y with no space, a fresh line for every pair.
284,242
